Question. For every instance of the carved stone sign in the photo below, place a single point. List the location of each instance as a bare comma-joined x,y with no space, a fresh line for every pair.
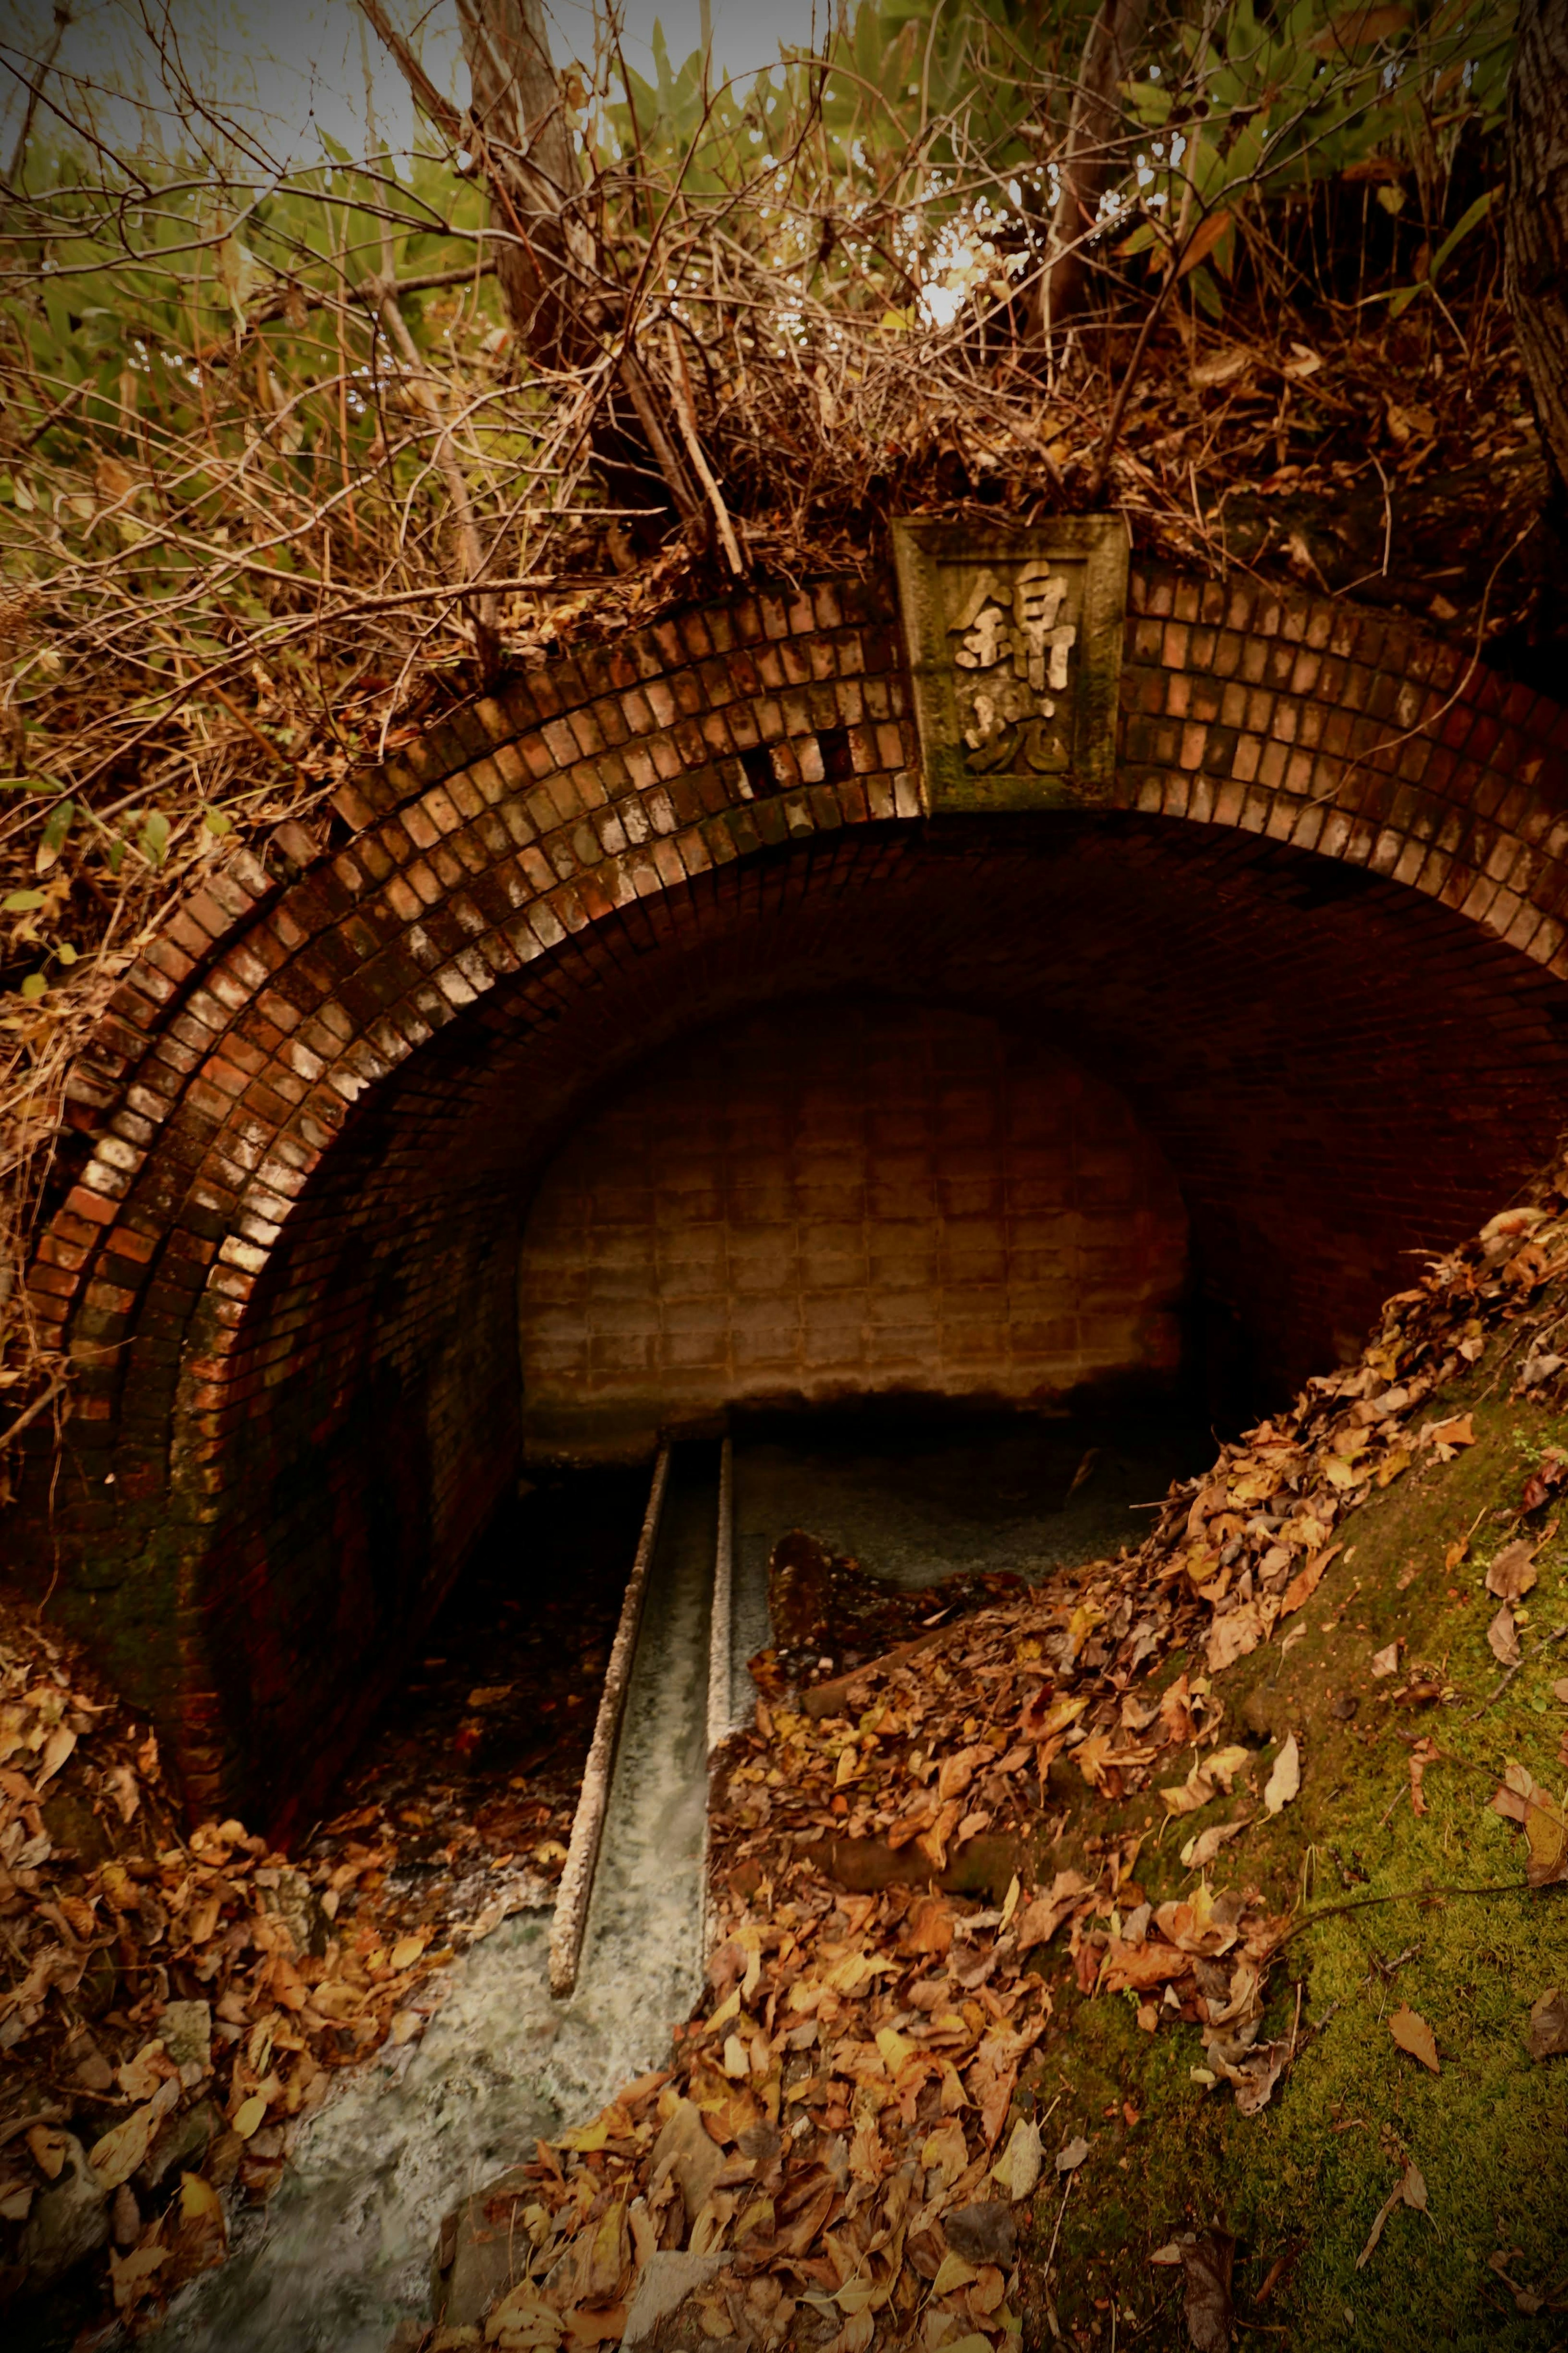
1015,644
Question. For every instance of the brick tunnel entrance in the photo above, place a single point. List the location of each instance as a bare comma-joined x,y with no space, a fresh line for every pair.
839,1102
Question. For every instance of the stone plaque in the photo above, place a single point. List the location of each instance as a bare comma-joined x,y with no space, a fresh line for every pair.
1015,644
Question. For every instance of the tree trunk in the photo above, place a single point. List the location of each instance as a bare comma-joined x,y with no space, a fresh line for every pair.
546,262
1090,158
1536,230
544,255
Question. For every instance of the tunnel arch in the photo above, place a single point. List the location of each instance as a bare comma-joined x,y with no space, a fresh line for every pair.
304,1089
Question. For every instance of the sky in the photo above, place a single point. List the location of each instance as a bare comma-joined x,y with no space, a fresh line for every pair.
292,65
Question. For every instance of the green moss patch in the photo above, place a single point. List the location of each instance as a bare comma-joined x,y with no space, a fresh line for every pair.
1387,1917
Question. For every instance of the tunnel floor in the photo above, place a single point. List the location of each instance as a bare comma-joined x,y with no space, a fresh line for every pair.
474,1767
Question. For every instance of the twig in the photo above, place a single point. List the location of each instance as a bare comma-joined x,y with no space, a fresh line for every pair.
1055,2234
1405,1895
685,417
1496,1692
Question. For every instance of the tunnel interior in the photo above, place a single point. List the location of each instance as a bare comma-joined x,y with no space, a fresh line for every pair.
1024,1115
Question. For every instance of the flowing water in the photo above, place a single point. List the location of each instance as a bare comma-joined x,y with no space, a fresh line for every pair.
343,2252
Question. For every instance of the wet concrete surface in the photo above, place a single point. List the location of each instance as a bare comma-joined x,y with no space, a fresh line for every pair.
343,2252
917,1501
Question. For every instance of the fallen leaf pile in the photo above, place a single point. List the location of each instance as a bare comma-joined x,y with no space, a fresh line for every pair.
851,2125
171,2005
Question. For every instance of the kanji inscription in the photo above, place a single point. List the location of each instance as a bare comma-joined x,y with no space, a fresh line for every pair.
1014,643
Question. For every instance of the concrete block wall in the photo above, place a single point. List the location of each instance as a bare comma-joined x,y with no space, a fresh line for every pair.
837,1198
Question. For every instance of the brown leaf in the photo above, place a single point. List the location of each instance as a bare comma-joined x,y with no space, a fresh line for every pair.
1306,1581
1200,1852
1285,1781
1425,1752
1546,2036
116,2157
1232,1637
57,1749
1176,1714
1502,1638
1547,1832
1256,2080
1044,1915
1412,2033
929,1928
1512,1573
1206,2260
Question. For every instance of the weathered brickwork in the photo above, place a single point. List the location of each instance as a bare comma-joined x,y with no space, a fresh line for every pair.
320,1104
829,1200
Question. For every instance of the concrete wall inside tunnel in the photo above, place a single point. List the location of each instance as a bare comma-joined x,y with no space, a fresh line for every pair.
844,1198
1314,940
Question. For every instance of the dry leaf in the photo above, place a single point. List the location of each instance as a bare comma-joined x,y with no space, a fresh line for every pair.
1232,1637
1306,1581
116,2157
1503,1638
1018,2166
1412,2033
1425,1752
1410,2190
1200,1852
1386,1661
1512,1573
1071,2155
1546,1830
1546,2036
1285,1781
49,2151
1206,2259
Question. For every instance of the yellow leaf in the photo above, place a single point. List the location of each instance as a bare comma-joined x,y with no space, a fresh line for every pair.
116,2157
57,1747
952,2272
894,2047
1286,1778
199,2201
586,2138
248,2116
49,2151
1018,2166
728,2009
1080,1625
945,2149
1547,1831
406,1951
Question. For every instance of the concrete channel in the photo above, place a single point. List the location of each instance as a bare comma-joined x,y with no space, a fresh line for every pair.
343,2254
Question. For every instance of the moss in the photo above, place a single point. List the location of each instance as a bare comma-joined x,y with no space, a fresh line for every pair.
1303,2180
